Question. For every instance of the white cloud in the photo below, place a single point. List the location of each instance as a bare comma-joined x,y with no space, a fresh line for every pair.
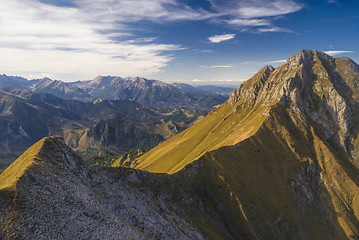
279,61
273,29
251,14
221,38
67,43
333,53
135,10
249,22
273,62
217,66
256,8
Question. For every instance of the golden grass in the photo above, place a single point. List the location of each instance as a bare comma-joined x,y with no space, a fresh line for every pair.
222,127
11,175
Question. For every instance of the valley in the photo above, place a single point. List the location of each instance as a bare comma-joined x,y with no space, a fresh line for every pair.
98,129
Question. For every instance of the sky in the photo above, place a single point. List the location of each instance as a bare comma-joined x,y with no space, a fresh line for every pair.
200,42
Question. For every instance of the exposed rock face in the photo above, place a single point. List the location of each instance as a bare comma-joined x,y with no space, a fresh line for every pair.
256,83
50,193
311,83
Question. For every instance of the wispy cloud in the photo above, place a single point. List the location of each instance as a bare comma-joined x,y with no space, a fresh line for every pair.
42,38
251,14
256,8
249,22
217,66
273,62
221,38
333,53
273,29
279,61
135,10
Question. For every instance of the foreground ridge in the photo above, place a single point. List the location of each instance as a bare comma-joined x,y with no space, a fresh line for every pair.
50,193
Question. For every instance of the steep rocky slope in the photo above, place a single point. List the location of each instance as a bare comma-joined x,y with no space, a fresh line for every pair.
281,153
50,193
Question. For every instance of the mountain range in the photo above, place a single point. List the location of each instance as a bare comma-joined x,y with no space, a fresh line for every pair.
278,160
151,93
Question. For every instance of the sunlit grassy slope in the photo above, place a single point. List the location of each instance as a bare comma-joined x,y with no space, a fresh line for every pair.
11,175
227,125
222,127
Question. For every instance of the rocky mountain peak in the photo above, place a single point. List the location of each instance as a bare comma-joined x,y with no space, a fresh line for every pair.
306,57
54,151
251,87
313,83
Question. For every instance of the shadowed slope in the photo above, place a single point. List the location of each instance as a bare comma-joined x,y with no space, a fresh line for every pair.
289,167
50,193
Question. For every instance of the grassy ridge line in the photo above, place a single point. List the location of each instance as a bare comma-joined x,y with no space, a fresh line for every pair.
11,175
222,127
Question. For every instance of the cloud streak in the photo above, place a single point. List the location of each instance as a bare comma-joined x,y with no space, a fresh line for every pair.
333,53
249,15
217,66
255,8
221,38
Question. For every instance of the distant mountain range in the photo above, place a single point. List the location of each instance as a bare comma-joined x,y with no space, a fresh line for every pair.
151,93
101,125
97,117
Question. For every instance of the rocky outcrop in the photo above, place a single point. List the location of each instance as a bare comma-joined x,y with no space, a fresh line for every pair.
50,193
310,83
249,90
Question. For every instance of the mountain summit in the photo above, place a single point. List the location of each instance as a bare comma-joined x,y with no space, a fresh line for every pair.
285,145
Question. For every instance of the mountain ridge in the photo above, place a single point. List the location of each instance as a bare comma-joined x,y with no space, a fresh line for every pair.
152,93
96,202
285,146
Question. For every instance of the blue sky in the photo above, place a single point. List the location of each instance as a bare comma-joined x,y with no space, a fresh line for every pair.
200,42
